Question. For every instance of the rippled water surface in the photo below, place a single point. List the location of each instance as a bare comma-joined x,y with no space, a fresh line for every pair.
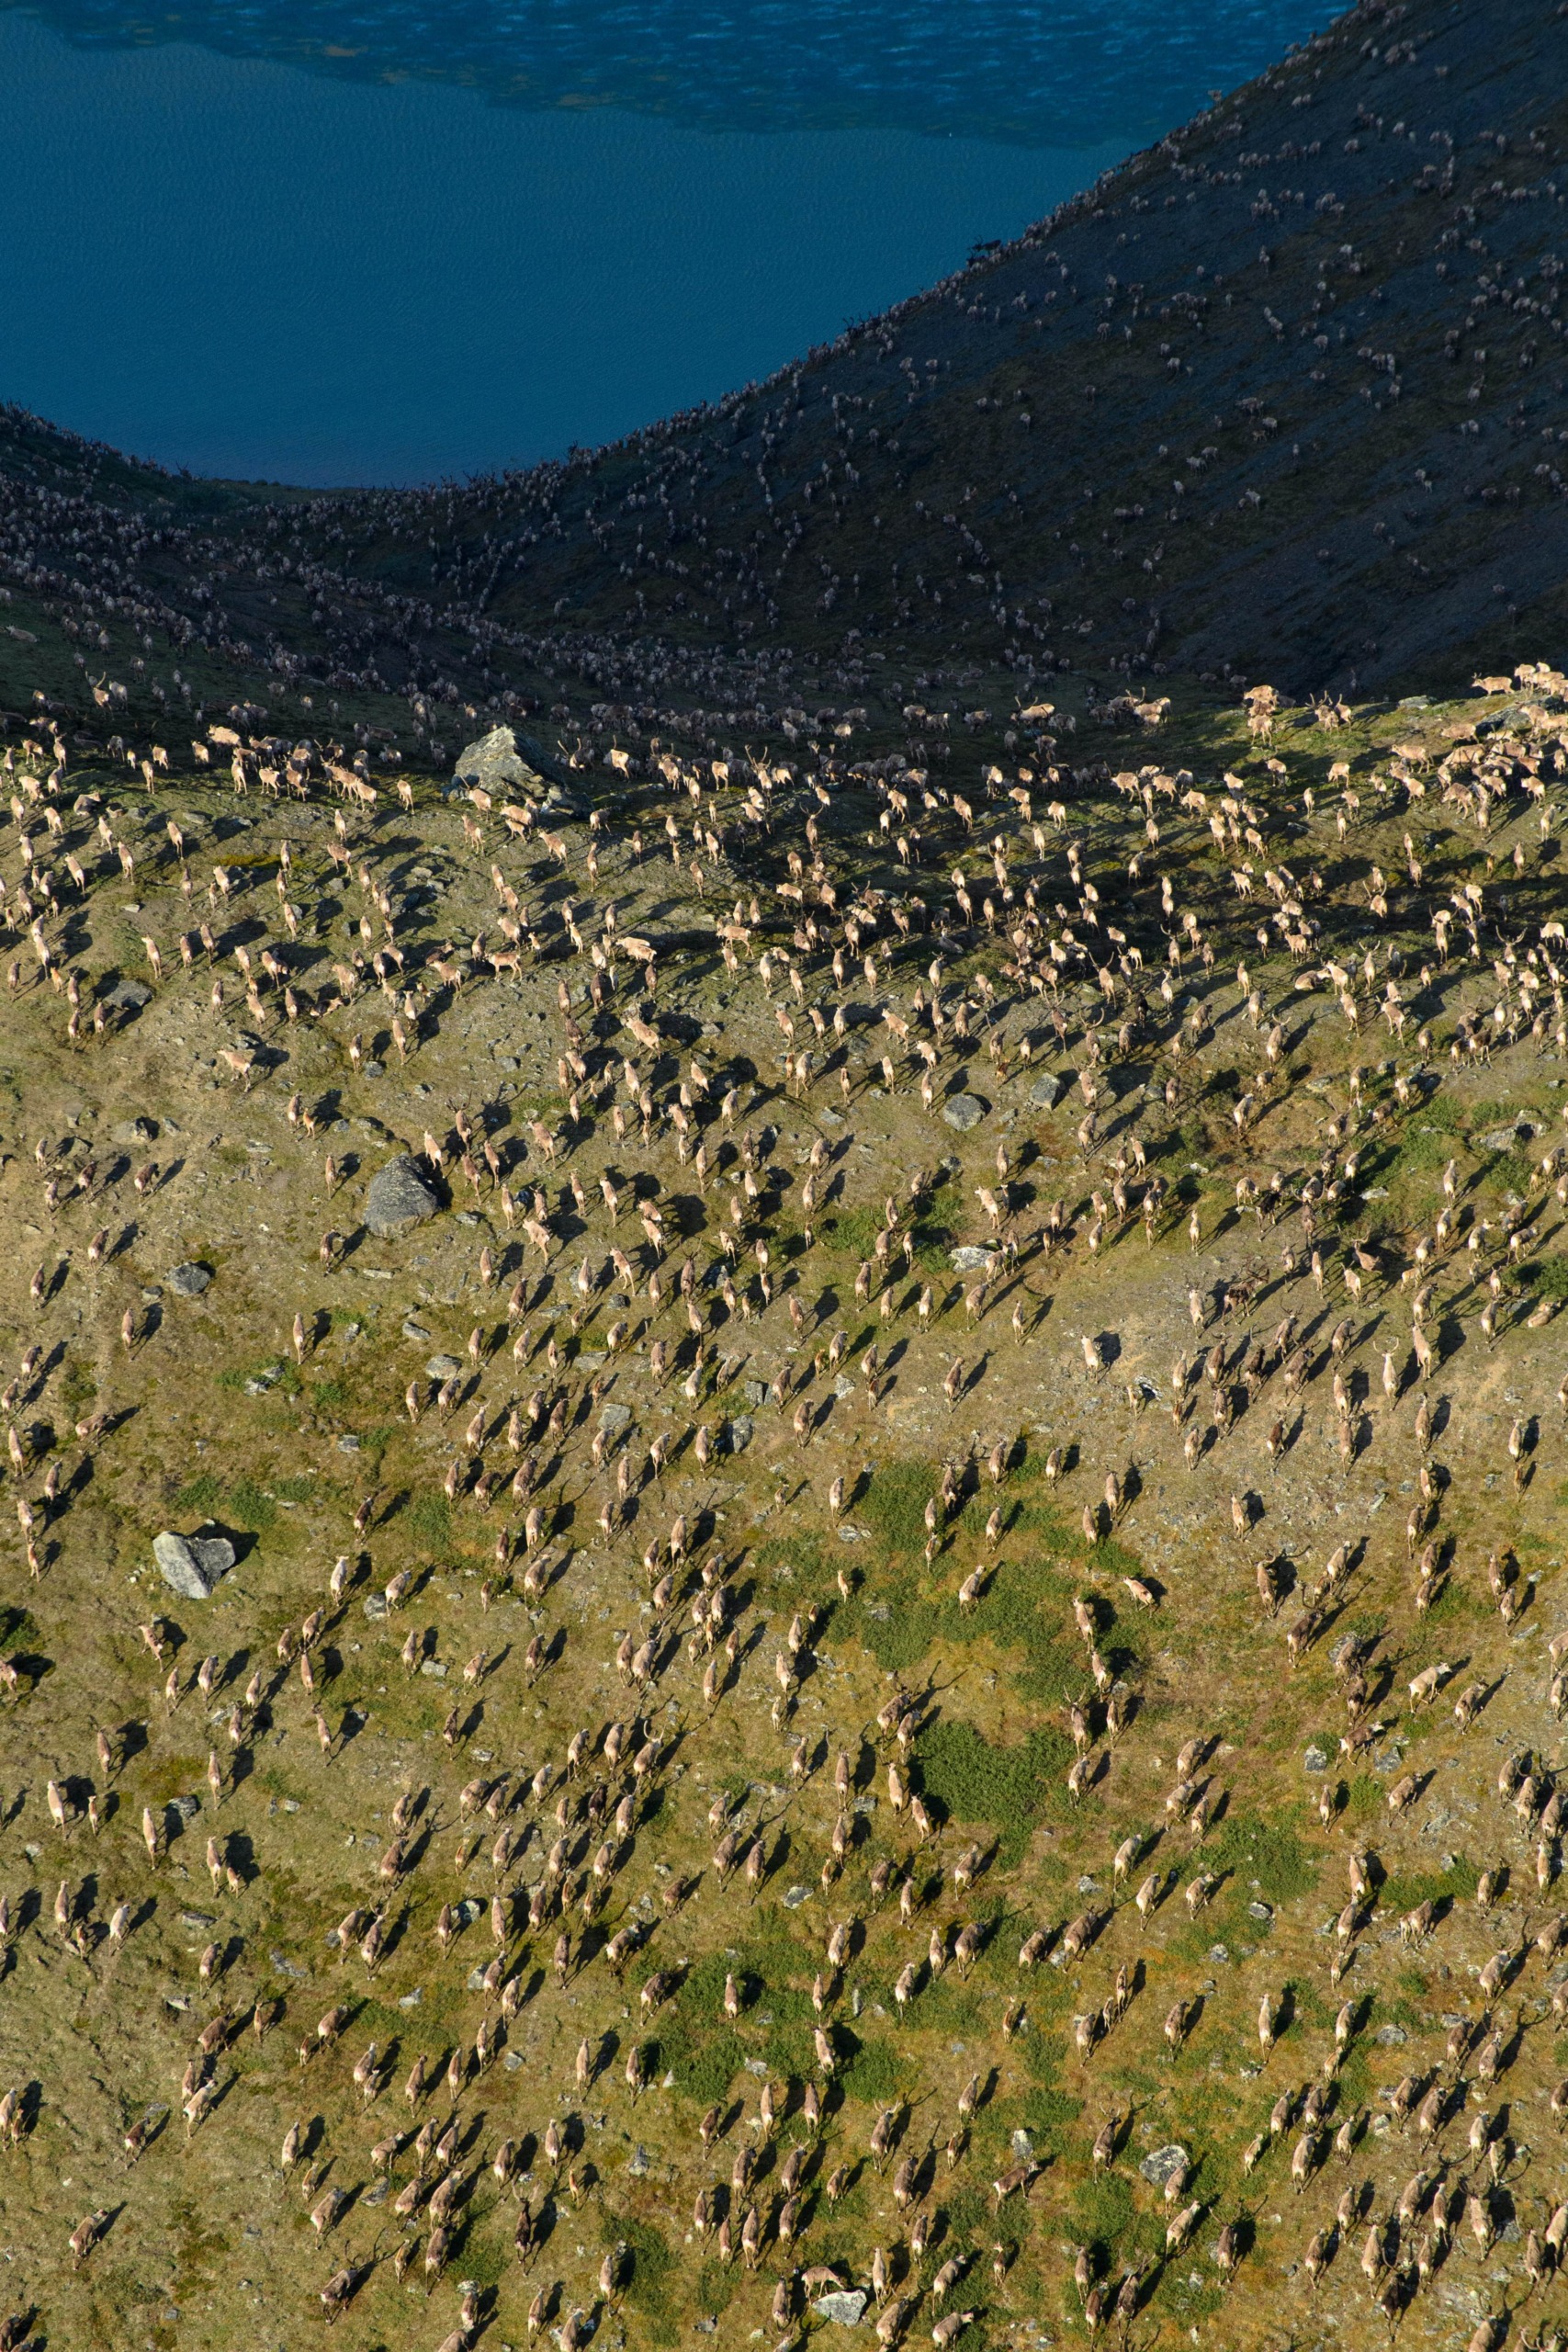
388,241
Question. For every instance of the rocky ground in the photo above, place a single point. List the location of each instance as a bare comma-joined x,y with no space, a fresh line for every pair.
833,1656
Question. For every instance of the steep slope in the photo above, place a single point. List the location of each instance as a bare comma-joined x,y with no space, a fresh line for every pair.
1285,391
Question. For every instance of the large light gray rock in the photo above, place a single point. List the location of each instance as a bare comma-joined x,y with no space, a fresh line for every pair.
400,1197
1046,1092
191,1280
845,2305
964,1112
193,1566
1163,2163
499,762
1510,1138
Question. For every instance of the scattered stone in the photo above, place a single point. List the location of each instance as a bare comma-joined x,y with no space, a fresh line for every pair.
1260,1911
399,1198
845,2305
637,2164
191,1280
971,1259
348,1442
194,1920
1390,2035
1163,2163
614,1419
964,1112
413,1330
737,1433
375,1605
1047,1091
193,1565
1510,1137
755,1392
128,996
1315,1760
495,763
132,1133
444,1367
794,1897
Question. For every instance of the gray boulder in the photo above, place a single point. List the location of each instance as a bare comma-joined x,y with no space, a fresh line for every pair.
1163,2163
845,2305
193,1566
128,996
505,761
964,1112
1510,1138
189,1279
1046,1092
400,1197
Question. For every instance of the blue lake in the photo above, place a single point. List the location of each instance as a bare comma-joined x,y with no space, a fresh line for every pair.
389,244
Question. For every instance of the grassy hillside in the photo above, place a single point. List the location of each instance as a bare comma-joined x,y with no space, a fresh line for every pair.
904,1639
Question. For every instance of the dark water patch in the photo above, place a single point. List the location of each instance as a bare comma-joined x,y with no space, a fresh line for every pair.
1069,74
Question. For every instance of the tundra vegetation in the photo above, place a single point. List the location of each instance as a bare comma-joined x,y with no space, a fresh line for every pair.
784,1482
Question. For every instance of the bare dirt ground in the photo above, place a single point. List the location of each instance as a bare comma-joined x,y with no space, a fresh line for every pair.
645,1565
